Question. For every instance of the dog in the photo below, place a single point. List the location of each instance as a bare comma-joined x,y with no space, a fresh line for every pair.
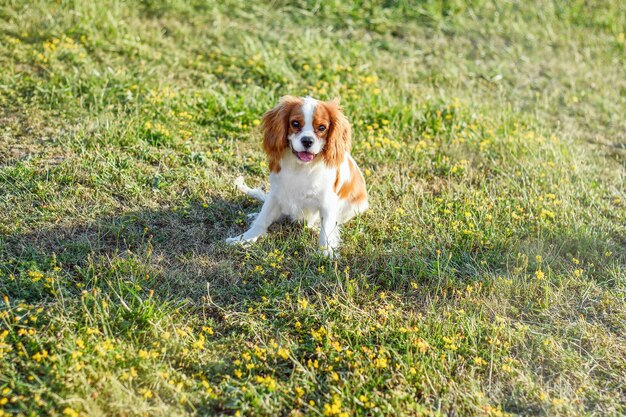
313,178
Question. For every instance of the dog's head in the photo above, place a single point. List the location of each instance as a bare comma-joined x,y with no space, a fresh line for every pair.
308,129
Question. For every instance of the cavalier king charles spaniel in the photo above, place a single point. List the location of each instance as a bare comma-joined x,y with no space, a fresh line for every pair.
312,175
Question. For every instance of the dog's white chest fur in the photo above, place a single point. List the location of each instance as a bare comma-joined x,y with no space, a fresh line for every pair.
300,191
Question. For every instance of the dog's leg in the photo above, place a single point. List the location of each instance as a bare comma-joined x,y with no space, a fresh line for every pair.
270,212
255,193
329,232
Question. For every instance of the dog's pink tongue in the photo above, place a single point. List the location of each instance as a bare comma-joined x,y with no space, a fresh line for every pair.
305,156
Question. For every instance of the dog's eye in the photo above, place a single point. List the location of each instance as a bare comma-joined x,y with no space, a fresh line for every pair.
321,128
295,124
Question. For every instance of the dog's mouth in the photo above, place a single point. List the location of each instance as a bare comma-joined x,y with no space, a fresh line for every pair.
304,156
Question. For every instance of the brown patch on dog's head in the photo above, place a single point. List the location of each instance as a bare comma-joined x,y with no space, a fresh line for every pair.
276,128
337,132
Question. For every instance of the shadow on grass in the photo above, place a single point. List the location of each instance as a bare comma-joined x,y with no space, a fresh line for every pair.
179,253
180,250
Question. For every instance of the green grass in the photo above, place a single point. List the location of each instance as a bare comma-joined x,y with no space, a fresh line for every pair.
488,277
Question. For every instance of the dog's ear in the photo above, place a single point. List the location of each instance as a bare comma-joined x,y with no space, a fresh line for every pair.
339,135
275,129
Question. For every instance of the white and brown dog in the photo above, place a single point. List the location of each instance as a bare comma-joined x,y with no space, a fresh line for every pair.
312,175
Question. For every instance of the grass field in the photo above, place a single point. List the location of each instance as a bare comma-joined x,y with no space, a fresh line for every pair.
488,277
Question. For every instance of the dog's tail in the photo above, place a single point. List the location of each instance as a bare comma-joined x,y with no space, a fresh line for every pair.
255,193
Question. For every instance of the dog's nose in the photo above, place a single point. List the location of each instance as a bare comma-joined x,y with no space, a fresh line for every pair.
307,141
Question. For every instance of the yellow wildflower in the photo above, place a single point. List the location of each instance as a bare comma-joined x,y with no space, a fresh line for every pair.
283,353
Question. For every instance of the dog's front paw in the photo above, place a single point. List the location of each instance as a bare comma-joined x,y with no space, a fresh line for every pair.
240,240
239,183
330,252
